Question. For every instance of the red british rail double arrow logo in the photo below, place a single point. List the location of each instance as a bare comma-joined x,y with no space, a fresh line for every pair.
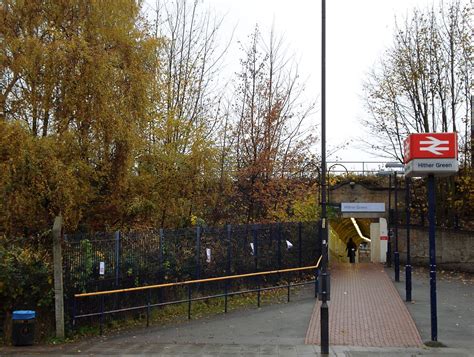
431,146
434,146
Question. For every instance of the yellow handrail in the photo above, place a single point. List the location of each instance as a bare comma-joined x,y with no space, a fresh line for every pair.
108,292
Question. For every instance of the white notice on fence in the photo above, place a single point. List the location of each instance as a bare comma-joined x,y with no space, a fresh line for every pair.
101,268
208,255
253,249
288,244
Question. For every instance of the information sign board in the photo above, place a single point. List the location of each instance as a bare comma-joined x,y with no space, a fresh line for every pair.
425,167
369,207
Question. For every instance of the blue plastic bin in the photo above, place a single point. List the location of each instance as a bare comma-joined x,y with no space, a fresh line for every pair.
23,329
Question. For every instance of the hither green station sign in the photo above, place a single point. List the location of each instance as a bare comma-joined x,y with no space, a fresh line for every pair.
431,154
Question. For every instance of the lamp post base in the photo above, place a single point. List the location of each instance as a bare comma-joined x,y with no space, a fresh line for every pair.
388,260
324,328
408,282
396,258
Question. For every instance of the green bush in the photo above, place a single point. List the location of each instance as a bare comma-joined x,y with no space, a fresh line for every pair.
26,277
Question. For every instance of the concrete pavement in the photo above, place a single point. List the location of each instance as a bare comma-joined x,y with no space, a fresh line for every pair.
277,330
455,301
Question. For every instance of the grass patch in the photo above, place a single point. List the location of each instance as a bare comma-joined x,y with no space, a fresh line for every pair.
434,344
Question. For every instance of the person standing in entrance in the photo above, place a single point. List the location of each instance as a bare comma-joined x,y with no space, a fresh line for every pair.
351,249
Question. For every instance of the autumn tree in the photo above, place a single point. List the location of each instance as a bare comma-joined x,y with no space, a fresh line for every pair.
269,145
115,120
74,85
423,84
423,81
177,166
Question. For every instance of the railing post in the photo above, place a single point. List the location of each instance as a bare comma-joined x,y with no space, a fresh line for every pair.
300,229
279,246
74,302
198,252
102,306
225,296
255,245
160,254
226,283
148,308
189,302
229,247
117,257
319,248
160,262
300,248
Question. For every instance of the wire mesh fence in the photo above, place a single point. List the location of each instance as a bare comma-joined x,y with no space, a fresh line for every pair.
103,261
118,260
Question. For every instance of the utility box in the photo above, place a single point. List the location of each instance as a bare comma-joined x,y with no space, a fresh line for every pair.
23,327
378,241
375,242
383,239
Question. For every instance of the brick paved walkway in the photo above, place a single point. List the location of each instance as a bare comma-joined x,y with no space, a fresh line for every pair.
365,310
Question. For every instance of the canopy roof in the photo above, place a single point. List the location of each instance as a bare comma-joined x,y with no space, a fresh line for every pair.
345,228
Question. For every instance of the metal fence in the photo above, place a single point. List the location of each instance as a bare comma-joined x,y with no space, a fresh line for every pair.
118,260
146,299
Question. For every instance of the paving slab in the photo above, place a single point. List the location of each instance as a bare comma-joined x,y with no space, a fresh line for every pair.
365,310
204,350
455,302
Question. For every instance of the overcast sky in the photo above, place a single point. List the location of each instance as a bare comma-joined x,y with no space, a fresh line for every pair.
358,32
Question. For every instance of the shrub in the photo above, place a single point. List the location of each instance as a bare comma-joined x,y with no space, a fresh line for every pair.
26,277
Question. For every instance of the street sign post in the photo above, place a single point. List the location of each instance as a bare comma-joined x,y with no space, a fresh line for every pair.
430,154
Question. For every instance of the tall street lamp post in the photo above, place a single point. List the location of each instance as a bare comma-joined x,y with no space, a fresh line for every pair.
408,260
396,254
324,294
318,185
389,244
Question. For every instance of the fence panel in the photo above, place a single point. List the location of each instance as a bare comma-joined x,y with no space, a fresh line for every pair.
168,255
132,259
179,254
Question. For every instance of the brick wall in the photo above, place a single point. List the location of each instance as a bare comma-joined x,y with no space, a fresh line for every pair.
360,193
454,248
